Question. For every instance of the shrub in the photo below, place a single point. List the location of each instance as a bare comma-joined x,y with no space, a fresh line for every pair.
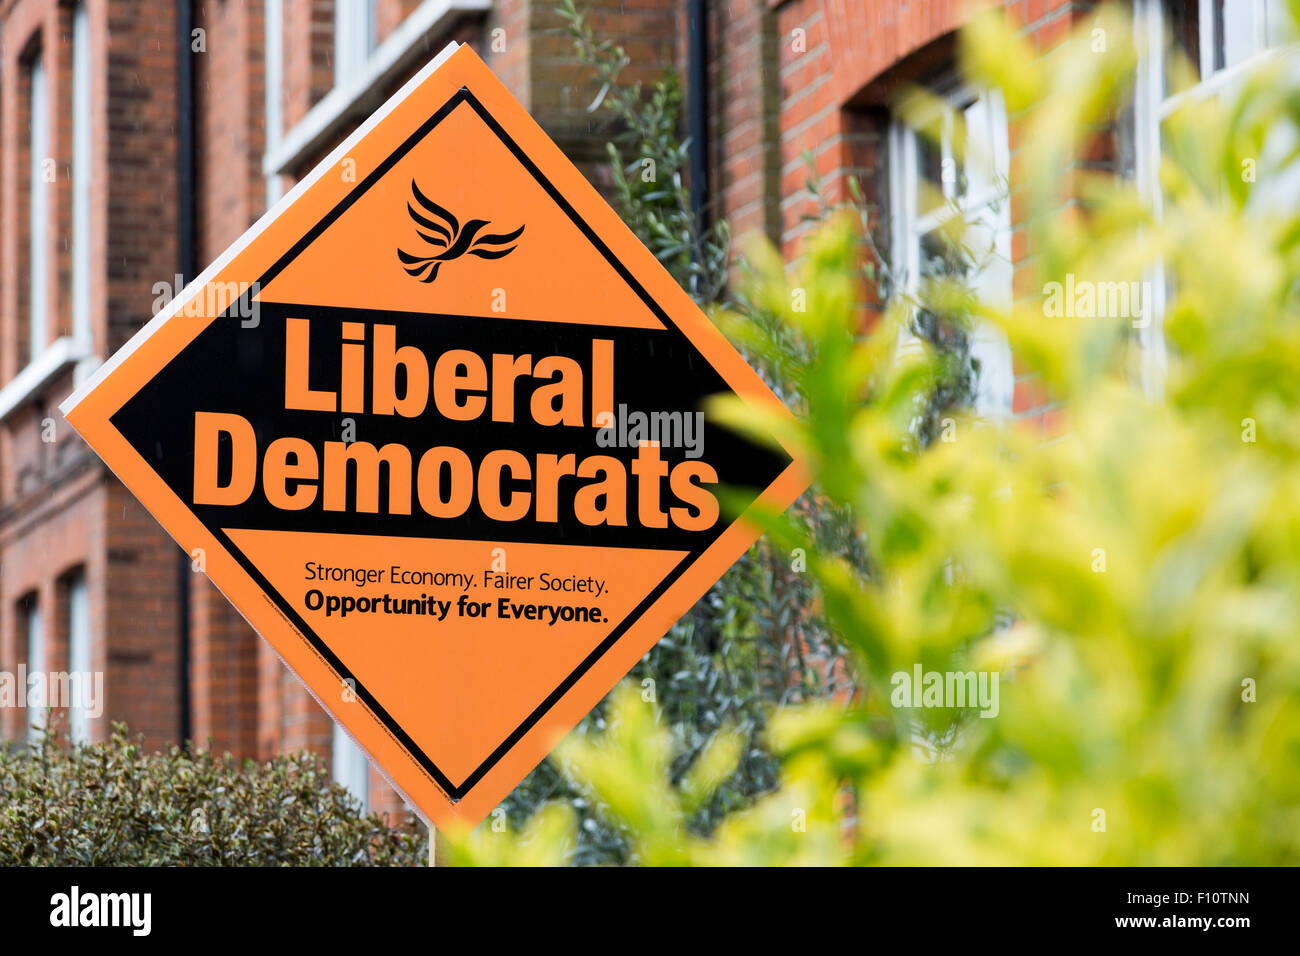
114,804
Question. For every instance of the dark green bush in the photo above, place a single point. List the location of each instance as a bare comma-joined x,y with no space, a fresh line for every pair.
114,804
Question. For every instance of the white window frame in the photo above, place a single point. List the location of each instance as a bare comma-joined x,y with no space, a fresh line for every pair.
350,765
1151,107
274,79
38,222
45,359
36,663
82,174
355,102
995,386
354,38
79,657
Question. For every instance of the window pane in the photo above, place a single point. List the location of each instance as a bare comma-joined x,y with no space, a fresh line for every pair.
1183,64
354,37
941,257
351,768
955,156
38,210
1278,26
982,182
36,665
969,165
274,88
990,355
81,174
929,174
81,681
1236,23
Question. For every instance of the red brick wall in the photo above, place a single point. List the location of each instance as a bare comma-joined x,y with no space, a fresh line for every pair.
745,104
308,56
139,179
557,87
59,509
813,120
504,45
82,519
42,538
840,64
230,133
139,186
141,663
389,15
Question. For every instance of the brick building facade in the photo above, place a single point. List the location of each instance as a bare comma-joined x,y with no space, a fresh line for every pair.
138,138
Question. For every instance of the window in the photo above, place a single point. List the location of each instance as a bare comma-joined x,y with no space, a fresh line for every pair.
34,630
1213,35
354,37
1190,50
274,83
38,209
934,178
79,666
81,175
351,768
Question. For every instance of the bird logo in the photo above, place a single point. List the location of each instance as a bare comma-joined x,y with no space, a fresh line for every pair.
441,230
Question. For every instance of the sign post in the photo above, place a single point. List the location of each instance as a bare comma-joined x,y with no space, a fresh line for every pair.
436,423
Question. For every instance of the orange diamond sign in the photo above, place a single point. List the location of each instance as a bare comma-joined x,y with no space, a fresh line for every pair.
435,424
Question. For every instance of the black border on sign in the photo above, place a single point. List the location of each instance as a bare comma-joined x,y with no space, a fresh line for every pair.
456,792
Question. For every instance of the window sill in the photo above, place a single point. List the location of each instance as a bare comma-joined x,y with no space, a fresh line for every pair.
62,354
324,123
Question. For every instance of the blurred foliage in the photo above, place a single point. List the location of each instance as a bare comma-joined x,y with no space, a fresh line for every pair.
114,804
951,251
1134,580
756,639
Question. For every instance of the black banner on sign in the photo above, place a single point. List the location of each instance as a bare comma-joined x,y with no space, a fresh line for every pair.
474,399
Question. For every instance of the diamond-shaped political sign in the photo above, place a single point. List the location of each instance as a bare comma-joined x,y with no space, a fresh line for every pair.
436,422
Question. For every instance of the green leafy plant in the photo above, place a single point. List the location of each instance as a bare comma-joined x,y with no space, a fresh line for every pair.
114,804
1132,583
756,640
